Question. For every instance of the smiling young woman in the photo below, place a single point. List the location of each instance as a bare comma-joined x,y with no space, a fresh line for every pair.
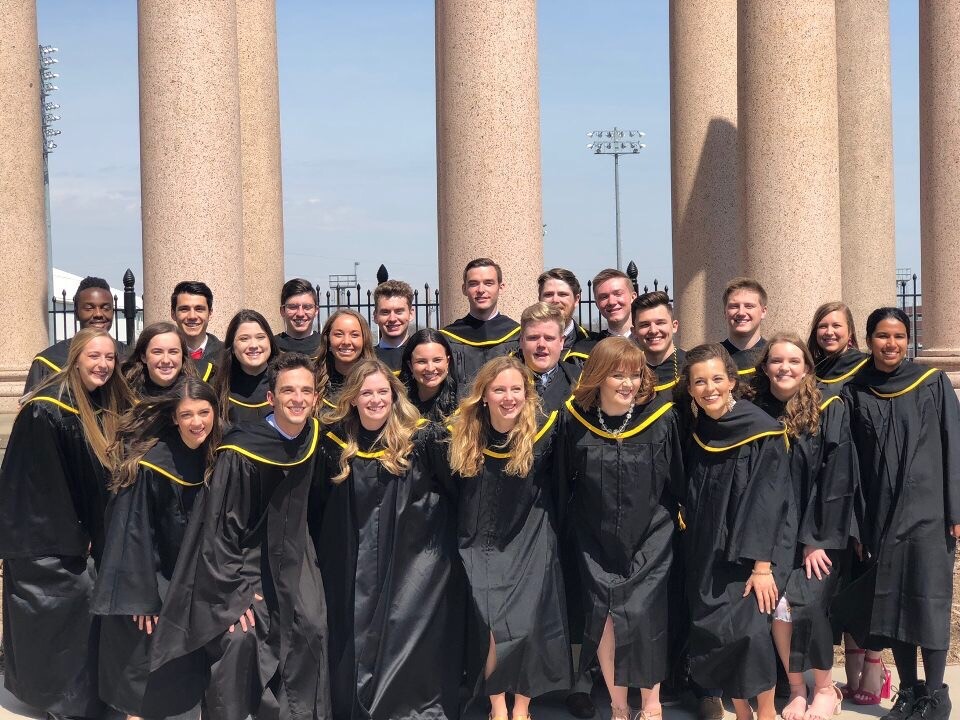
344,340
503,465
159,358
425,371
241,377
905,420
824,477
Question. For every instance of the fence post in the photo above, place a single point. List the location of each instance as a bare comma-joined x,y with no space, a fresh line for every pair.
130,305
382,274
633,274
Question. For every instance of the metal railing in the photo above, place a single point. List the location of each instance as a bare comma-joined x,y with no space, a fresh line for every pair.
911,302
63,321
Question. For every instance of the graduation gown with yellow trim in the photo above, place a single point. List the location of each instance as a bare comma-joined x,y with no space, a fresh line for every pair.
53,359
248,396
309,345
248,535
474,342
738,500
835,371
667,373
906,429
624,531
146,522
388,554
745,360
577,346
507,538
825,479
53,493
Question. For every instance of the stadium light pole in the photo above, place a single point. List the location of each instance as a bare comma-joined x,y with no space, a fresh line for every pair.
616,142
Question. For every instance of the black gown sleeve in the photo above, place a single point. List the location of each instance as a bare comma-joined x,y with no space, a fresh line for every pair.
827,517
755,521
213,582
127,579
38,515
949,408
38,373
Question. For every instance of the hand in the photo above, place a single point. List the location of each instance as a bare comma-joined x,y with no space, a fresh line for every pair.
858,549
246,620
145,623
816,562
955,531
765,588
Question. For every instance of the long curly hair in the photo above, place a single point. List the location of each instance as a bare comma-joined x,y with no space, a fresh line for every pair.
135,367
143,426
396,436
224,364
802,413
817,352
325,362
115,395
607,357
470,428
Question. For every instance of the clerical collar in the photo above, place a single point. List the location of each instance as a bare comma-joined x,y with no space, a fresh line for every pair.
496,312
272,421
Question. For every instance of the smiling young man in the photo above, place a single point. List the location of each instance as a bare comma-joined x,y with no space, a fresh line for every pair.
393,303
483,333
745,306
191,305
541,345
654,328
298,306
250,592
92,307
613,292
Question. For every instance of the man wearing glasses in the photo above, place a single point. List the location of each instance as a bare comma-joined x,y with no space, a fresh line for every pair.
298,305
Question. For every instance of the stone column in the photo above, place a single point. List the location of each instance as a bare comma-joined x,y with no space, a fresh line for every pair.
940,181
190,153
868,255
488,147
260,158
23,230
703,160
789,179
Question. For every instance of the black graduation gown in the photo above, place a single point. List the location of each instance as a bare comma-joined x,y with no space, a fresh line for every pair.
52,499
623,531
309,346
745,360
577,345
213,349
474,342
248,396
52,360
248,534
391,357
439,407
559,388
387,549
667,373
738,499
506,531
906,430
835,371
145,526
825,478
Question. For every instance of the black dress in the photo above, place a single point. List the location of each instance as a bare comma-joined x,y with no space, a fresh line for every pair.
53,493
906,429
387,549
624,531
738,502
248,395
248,535
146,522
825,479
507,537
474,342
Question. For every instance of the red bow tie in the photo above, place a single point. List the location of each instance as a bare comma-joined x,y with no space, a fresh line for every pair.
196,354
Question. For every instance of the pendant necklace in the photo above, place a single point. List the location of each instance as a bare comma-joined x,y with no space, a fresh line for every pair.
618,431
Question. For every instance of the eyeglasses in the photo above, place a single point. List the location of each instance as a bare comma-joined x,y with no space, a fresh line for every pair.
297,307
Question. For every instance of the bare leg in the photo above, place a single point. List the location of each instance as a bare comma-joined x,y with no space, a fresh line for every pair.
871,677
498,703
825,695
651,701
853,662
765,707
521,707
742,709
797,705
605,656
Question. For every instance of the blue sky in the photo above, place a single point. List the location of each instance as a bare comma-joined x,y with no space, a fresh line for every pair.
357,103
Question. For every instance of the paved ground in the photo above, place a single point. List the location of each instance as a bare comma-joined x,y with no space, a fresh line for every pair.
554,710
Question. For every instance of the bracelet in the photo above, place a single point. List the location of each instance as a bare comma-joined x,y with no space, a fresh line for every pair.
757,572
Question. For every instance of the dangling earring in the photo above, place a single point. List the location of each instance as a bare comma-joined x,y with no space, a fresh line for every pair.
694,408
730,402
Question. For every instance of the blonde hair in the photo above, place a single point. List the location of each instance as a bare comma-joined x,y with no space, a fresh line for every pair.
115,395
608,356
396,437
541,312
325,358
801,416
470,426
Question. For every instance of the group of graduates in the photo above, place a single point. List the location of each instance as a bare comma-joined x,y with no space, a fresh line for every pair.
309,525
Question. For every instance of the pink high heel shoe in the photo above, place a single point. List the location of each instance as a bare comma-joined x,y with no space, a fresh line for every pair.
862,697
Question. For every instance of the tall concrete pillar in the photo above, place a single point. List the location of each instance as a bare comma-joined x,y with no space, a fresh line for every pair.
190,173
260,157
868,253
23,229
488,147
940,181
789,179
703,159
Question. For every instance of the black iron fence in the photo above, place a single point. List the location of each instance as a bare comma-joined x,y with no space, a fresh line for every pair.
911,302
63,320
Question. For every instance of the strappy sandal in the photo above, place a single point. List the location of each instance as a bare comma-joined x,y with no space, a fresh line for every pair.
846,690
814,712
862,697
620,713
